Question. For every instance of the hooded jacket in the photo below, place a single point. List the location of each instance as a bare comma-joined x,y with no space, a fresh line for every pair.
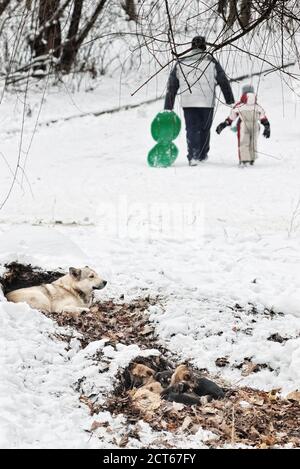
247,109
196,76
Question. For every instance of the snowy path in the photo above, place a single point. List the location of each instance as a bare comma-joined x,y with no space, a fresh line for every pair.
226,236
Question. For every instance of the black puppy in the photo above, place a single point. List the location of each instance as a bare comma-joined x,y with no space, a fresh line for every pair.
164,378
181,393
205,387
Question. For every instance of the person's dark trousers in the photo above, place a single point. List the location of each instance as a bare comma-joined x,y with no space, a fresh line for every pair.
198,122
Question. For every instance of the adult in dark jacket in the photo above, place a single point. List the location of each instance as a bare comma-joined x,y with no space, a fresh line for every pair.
196,76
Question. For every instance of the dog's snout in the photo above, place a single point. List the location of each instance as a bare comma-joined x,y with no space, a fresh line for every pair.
100,285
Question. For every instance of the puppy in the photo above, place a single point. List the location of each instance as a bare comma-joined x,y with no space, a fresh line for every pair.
205,387
147,394
153,386
140,375
164,378
72,293
145,400
182,393
182,373
187,387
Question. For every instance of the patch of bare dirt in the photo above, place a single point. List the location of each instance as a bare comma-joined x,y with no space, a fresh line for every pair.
25,275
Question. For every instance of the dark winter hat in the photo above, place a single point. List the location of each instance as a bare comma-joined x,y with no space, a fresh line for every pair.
248,89
199,42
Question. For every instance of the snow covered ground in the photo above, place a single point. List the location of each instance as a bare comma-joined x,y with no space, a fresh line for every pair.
204,238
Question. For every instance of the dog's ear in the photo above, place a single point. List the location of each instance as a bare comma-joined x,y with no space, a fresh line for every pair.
75,273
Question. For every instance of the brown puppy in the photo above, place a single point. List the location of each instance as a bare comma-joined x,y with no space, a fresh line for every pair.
140,375
147,396
182,373
145,400
153,386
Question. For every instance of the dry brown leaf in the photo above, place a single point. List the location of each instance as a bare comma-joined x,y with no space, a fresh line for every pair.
186,423
124,441
194,429
226,429
172,426
147,330
216,420
96,425
268,440
256,401
249,368
254,432
294,396
209,410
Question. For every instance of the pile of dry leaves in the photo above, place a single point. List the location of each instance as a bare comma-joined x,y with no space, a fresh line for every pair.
119,322
245,416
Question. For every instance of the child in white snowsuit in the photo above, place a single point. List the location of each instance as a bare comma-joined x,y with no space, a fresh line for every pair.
249,113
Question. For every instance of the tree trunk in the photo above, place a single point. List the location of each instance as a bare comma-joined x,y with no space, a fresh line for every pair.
49,40
232,13
129,7
71,47
222,6
245,15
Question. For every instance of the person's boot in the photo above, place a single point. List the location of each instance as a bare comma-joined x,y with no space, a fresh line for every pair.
194,162
204,158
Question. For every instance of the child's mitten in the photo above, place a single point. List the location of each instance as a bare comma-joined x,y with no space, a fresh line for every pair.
222,126
267,130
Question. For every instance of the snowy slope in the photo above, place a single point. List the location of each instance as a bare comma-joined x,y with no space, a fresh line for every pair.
204,238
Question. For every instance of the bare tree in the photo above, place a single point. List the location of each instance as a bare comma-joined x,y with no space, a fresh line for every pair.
80,35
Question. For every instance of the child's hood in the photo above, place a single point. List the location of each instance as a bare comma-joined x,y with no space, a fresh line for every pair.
249,98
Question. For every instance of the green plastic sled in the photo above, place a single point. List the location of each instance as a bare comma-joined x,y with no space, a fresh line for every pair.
166,126
163,155
164,129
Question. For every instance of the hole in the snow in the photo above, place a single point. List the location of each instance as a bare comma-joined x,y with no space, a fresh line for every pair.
25,275
244,416
118,321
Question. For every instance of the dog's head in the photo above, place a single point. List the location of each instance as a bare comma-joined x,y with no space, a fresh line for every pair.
86,280
140,374
181,374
